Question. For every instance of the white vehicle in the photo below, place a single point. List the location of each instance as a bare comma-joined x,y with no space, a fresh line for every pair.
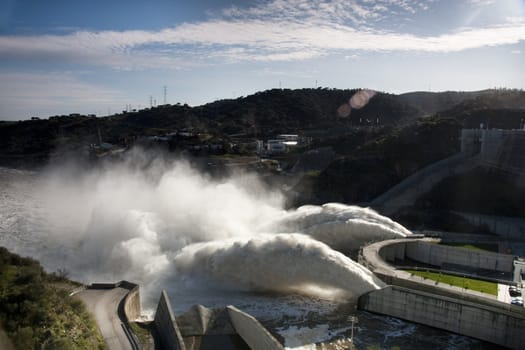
514,291
517,301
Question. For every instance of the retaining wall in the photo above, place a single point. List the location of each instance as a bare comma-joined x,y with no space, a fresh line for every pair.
492,324
252,331
507,227
438,255
131,301
166,325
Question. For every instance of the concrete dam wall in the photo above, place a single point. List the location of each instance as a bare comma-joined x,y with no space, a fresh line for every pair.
199,320
446,307
253,333
166,325
492,324
439,255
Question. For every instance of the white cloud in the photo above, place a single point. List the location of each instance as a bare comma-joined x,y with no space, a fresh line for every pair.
482,2
282,30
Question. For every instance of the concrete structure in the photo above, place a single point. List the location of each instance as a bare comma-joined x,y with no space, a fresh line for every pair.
507,227
131,302
519,271
166,325
442,256
275,146
493,324
471,141
289,140
200,326
113,305
442,306
253,333
502,149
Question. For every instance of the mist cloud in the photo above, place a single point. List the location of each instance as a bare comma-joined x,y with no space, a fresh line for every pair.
162,223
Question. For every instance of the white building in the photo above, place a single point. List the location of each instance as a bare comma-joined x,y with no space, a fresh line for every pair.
275,146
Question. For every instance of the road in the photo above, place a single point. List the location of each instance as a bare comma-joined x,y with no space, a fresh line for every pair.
103,304
503,293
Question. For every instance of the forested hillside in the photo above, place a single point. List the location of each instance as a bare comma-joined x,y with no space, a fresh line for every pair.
36,310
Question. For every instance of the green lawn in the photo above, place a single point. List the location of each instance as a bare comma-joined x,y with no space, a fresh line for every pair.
462,282
478,246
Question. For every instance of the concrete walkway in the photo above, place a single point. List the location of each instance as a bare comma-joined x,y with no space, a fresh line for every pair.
104,305
503,293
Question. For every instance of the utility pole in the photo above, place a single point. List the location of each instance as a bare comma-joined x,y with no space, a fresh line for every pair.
354,320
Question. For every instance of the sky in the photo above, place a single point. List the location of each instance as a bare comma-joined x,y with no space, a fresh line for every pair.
100,57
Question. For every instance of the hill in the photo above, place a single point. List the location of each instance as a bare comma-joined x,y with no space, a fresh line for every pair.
429,103
265,114
36,310
382,160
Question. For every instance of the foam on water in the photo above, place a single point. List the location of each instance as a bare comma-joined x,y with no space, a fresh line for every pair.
167,221
280,262
342,227
166,226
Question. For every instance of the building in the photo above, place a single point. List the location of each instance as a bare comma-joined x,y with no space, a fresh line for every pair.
502,149
275,146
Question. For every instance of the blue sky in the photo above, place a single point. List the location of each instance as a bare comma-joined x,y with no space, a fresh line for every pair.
96,57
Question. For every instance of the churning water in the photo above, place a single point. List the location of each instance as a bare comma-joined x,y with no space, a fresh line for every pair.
166,226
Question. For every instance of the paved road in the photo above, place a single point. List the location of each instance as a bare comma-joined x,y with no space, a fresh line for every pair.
103,304
503,293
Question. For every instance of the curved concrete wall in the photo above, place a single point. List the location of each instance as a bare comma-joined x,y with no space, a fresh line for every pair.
131,302
132,307
451,308
438,255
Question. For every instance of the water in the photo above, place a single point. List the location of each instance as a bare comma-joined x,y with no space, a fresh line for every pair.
213,243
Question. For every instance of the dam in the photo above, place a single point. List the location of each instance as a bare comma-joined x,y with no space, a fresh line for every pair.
442,306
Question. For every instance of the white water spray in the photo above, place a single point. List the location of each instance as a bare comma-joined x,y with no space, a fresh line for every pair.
167,221
342,227
281,262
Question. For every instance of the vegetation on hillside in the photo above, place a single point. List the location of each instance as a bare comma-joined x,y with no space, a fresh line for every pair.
366,151
36,310
383,160
478,191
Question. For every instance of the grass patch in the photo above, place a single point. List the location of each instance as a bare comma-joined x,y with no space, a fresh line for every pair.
142,332
481,246
462,282
36,310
